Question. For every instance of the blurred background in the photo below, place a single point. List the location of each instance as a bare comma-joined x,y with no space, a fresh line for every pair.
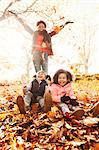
76,46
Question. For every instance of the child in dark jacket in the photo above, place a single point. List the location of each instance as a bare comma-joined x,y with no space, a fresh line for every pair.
34,94
38,87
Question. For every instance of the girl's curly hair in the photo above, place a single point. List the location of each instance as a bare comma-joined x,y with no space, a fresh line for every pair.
68,75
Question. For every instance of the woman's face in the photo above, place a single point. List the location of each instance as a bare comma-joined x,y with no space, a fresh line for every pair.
41,27
62,79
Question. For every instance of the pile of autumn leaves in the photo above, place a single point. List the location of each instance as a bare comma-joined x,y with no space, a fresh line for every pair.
48,131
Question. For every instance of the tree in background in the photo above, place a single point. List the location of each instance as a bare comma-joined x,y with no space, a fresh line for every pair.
32,9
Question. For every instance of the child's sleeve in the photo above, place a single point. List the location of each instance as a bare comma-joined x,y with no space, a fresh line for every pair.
29,87
55,98
70,92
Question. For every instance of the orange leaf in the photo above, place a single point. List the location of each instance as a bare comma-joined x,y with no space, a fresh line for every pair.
96,147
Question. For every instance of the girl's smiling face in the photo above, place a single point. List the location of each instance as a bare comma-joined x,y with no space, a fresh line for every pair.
62,79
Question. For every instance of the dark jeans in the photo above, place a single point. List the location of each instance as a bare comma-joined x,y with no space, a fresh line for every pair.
38,99
39,63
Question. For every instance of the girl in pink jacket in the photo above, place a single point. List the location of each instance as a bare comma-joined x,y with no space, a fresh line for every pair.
62,91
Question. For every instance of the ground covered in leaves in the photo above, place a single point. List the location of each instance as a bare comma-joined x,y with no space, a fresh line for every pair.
49,131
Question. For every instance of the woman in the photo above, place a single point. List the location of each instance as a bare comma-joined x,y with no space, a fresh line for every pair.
42,46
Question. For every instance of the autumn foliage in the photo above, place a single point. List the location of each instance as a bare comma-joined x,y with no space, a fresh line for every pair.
50,130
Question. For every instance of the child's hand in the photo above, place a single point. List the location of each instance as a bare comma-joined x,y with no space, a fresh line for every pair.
65,99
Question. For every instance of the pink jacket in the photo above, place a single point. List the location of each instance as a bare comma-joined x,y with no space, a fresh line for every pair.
58,91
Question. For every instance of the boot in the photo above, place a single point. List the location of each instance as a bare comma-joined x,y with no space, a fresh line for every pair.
78,114
21,104
47,101
95,110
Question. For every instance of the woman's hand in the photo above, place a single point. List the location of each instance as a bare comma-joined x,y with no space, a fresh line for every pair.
43,58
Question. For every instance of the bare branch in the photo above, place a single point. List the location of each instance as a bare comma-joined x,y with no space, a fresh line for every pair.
5,13
9,13
29,8
8,7
2,17
23,23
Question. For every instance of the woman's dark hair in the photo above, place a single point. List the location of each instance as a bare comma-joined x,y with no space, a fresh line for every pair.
46,36
39,22
68,75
